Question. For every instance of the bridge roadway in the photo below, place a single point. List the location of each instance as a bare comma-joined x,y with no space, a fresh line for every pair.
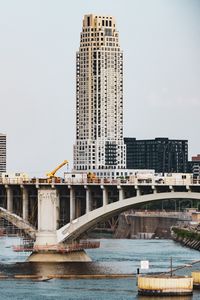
58,212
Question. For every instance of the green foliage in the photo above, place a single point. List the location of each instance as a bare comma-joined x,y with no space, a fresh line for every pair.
185,233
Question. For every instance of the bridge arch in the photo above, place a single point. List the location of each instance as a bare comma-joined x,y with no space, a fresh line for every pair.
82,224
19,222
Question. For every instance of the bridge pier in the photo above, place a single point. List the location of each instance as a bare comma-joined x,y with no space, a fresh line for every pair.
48,220
76,256
88,200
121,193
72,204
48,216
105,195
25,204
137,191
154,189
9,194
77,207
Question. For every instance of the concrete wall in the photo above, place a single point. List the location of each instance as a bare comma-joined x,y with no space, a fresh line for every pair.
144,227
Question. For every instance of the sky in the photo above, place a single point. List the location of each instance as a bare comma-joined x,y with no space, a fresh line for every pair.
38,43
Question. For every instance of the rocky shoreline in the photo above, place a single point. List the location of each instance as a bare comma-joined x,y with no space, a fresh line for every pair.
187,237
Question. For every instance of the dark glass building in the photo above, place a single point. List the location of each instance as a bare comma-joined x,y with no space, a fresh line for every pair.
161,154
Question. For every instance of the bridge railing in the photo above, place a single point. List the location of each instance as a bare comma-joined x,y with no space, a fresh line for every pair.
133,181
101,181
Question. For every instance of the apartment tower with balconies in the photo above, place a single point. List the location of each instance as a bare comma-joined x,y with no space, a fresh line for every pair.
2,153
99,97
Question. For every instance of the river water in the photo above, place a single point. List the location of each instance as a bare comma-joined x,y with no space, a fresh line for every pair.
113,257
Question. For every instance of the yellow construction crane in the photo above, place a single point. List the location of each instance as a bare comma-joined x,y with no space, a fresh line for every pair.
52,173
91,177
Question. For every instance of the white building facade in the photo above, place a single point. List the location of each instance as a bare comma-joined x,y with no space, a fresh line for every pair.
2,153
99,97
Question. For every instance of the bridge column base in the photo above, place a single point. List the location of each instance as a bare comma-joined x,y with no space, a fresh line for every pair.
45,238
76,256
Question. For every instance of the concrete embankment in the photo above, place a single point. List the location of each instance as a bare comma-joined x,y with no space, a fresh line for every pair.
186,237
144,226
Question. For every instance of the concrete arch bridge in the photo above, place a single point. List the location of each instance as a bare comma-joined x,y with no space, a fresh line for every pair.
63,212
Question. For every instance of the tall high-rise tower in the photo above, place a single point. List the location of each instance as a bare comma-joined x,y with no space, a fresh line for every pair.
2,153
99,97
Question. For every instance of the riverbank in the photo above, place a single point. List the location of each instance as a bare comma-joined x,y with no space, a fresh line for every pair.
187,237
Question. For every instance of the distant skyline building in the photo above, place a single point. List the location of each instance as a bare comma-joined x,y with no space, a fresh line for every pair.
99,97
161,154
2,153
194,166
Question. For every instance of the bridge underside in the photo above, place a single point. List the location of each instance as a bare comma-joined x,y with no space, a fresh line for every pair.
65,212
77,227
18,222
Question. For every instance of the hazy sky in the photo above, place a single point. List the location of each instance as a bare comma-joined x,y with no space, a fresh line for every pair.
38,42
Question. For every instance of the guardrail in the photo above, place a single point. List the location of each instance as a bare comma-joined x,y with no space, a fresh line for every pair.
100,181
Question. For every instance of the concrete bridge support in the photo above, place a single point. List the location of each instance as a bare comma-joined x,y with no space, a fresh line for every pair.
88,200
48,222
121,193
48,216
77,207
72,204
105,196
9,193
154,189
138,193
25,204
